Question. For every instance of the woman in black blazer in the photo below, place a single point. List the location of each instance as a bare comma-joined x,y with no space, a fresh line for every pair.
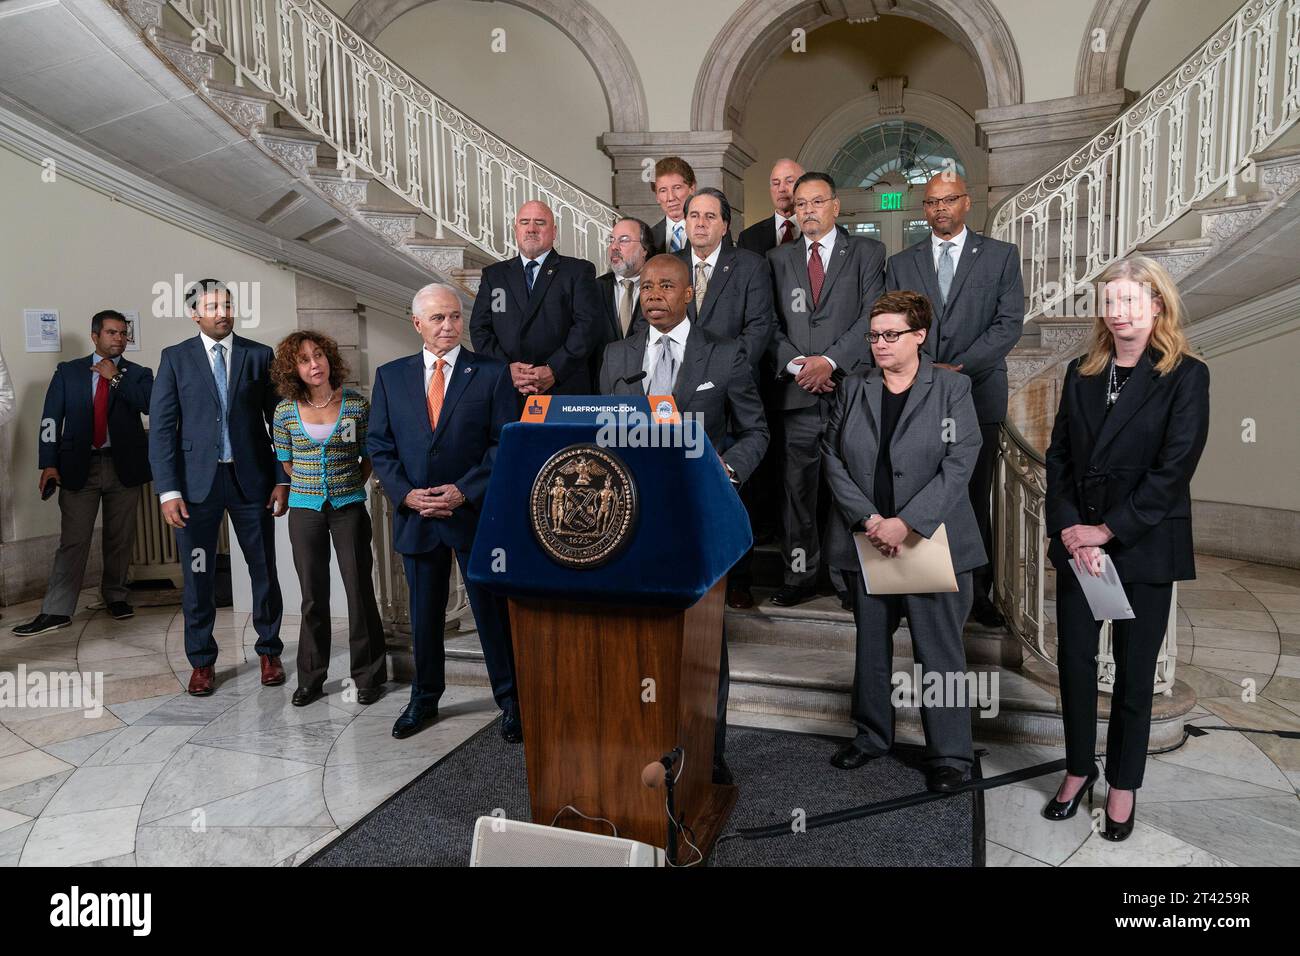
1130,428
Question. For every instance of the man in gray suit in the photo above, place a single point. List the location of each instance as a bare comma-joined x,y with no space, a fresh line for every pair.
824,287
733,286
708,377
975,286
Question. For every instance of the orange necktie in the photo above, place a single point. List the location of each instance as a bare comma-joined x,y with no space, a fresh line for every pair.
436,383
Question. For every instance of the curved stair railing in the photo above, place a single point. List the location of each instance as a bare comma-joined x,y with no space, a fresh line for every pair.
382,121
1192,134
1021,569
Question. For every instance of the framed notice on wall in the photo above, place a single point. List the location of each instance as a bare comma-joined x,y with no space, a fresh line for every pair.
42,330
132,331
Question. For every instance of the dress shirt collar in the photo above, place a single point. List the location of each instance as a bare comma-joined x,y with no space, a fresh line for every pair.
96,358
827,243
208,342
540,260
430,360
712,260
958,241
780,219
678,334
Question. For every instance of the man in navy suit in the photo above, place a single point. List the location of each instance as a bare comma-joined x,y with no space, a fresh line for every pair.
92,448
435,419
539,311
210,448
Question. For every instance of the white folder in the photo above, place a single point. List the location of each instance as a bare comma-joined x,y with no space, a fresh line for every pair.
1105,594
923,565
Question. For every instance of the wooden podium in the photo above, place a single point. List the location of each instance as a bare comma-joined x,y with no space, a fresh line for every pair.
616,663
605,691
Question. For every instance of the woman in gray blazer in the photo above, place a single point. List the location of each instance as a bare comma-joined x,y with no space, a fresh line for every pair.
898,453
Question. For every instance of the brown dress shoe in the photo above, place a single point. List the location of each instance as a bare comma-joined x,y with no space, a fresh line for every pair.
201,681
272,671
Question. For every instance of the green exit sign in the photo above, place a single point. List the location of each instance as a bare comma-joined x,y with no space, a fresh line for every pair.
891,200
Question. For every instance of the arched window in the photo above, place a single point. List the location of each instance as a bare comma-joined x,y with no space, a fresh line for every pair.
893,151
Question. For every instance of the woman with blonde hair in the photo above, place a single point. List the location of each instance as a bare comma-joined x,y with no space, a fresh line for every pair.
1133,420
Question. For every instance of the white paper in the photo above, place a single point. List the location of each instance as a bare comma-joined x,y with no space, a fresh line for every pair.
1105,594
42,330
132,331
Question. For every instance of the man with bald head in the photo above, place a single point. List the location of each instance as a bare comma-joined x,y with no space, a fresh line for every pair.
974,284
780,227
435,420
539,311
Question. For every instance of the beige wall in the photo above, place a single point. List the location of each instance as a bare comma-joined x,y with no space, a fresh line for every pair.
1047,34
67,247
1167,33
541,94
841,63
1257,382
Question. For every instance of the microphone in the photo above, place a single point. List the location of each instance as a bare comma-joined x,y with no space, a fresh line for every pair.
630,379
654,773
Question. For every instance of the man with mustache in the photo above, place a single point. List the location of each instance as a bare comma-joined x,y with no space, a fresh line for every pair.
631,243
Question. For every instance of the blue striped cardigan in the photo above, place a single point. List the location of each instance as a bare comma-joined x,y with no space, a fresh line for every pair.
328,471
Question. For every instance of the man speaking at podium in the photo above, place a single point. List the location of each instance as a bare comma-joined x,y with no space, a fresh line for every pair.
710,380
435,419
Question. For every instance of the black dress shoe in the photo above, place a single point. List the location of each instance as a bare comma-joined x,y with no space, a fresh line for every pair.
792,594
42,623
1115,831
851,757
121,611
512,732
984,612
1064,809
415,717
846,602
368,695
306,695
944,779
722,773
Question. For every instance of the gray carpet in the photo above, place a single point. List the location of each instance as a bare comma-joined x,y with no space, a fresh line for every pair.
431,821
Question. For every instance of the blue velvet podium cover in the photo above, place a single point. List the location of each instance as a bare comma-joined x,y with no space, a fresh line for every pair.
690,530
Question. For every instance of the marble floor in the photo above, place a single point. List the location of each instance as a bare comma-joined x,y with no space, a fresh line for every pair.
244,778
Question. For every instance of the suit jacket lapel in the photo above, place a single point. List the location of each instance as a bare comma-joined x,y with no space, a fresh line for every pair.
1143,380
199,356
634,355
799,262
717,281
916,397
839,256
516,283
461,373
413,376
969,251
691,375
122,366
237,355
929,279
545,273
871,393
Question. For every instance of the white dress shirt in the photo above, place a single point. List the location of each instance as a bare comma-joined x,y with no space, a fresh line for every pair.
669,228
430,360
958,241
94,384
824,251
711,261
676,344
780,224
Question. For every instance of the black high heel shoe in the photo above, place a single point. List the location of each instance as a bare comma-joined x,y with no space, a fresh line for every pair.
1115,831
1059,810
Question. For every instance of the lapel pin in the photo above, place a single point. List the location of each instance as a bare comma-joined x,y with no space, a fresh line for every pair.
468,370
550,272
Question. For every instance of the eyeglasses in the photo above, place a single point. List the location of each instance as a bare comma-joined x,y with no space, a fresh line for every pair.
623,240
947,202
890,335
802,205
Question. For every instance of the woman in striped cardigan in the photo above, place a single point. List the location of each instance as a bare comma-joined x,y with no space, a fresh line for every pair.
320,438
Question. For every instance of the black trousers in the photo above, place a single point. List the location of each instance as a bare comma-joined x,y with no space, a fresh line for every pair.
724,691
310,532
1136,646
427,578
197,543
981,499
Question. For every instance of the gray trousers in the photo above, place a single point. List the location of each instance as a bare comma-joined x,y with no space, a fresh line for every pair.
79,509
935,621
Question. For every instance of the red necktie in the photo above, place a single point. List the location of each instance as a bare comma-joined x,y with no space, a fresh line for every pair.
787,232
816,272
100,434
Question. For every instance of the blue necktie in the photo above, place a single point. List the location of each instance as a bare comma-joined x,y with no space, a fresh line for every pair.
677,238
219,374
530,274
